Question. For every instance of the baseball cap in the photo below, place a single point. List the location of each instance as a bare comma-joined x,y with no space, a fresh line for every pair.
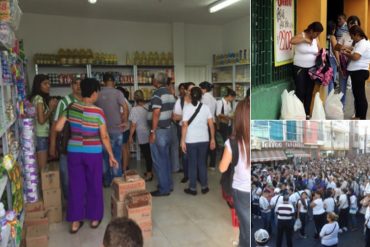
261,236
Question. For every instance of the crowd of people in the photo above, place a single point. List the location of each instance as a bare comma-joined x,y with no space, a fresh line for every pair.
333,192
92,127
349,57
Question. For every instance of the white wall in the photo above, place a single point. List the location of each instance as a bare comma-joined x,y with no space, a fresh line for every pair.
236,35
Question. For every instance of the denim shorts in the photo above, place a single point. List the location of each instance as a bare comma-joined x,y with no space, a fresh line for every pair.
125,136
42,144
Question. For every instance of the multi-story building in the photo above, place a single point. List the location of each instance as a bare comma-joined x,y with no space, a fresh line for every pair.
336,138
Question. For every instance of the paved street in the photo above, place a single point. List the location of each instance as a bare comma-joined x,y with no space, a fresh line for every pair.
353,239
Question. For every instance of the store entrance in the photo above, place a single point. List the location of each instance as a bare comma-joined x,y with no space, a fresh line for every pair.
335,8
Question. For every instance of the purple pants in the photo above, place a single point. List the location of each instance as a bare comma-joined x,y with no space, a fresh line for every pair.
85,199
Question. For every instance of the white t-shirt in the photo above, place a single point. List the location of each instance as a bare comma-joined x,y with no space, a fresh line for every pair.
264,205
242,172
274,199
353,207
211,102
329,234
178,110
319,208
227,107
138,115
302,209
343,202
363,48
329,204
305,54
198,129
346,40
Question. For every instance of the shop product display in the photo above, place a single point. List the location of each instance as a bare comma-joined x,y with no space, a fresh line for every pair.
150,58
10,13
241,56
120,78
7,36
64,79
17,187
30,169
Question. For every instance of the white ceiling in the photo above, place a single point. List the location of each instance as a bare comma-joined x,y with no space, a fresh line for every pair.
187,11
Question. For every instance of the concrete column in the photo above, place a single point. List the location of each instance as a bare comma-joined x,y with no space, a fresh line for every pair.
178,42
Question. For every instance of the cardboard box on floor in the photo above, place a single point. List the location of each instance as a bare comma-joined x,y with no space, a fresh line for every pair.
121,187
146,229
37,236
131,175
52,198
55,214
34,207
139,206
50,177
118,208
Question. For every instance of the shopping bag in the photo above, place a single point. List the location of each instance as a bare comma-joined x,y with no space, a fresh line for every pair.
334,107
318,112
291,108
297,224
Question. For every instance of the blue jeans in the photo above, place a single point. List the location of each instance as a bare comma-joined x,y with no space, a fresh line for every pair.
242,207
42,144
343,88
197,155
161,160
109,172
174,149
63,168
333,64
266,219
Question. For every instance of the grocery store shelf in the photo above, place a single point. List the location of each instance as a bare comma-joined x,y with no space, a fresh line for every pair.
230,65
145,84
61,65
5,236
223,82
103,66
60,85
7,127
155,66
125,84
3,182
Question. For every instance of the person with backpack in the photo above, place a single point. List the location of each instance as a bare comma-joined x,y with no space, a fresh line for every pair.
358,69
329,232
302,210
235,164
61,139
307,48
195,140
177,116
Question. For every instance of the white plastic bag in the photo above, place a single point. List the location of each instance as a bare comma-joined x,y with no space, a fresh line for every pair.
318,112
334,107
291,108
297,224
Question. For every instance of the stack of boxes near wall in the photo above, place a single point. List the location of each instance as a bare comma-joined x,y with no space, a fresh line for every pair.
40,214
130,199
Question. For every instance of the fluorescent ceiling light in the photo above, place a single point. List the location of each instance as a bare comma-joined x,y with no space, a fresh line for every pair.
221,5
92,1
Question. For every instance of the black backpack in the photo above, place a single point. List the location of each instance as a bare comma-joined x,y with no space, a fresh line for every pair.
228,176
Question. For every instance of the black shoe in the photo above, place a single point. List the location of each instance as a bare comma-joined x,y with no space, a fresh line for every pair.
205,190
190,192
184,180
157,193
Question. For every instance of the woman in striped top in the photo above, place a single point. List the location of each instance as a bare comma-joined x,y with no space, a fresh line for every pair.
85,158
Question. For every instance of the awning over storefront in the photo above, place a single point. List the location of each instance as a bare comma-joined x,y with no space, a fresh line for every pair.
299,153
268,155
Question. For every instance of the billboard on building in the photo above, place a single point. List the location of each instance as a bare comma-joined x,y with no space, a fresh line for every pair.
284,17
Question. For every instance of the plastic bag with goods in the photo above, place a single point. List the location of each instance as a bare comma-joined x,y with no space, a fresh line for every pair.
318,112
297,225
334,107
7,36
291,108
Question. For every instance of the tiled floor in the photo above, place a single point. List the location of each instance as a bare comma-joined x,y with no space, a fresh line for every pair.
178,220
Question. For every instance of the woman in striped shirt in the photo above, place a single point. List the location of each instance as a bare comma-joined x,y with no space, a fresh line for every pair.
85,158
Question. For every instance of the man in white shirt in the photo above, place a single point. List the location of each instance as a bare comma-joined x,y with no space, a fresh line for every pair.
211,102
224,113
265,211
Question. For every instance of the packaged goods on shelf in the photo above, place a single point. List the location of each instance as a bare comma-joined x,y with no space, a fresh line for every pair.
237,57
119,78
150,58
30,168
10,13
64,79
7,36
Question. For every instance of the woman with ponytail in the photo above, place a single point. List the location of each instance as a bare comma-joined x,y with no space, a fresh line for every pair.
358,69
241,183
195,140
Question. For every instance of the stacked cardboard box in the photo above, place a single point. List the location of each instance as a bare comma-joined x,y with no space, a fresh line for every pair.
36,225
50,182
130,199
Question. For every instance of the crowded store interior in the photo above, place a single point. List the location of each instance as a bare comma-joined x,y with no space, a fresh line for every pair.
119,119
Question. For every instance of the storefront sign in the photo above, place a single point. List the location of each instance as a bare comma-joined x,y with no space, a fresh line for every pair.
269,144
284,17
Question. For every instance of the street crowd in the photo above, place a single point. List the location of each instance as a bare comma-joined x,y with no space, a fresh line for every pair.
333,192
